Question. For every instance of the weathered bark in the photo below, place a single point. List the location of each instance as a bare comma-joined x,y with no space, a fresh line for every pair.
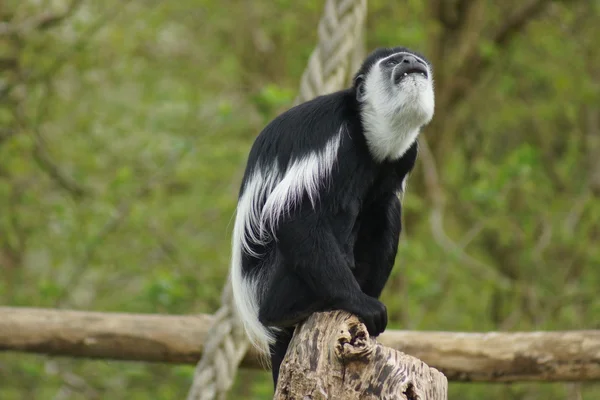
118,336
332,357
483,357
503,356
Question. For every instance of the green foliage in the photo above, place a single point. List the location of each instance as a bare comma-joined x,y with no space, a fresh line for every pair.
123,137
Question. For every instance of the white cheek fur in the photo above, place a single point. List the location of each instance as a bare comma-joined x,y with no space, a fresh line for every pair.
393,114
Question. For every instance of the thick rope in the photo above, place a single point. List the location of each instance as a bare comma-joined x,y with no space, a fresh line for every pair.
338,54
224,348
340,43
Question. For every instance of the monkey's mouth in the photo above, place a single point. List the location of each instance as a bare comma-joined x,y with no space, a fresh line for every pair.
402,72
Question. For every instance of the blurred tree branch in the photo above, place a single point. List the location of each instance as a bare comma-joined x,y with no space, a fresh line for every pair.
436,218
517,20
40,150
14,243
460,31
119,215
456,43
60,60
45,162
81,42
43,21
71,382
8,63
6,133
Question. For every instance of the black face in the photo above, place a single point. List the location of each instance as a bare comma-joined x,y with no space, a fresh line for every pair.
402,65
407,62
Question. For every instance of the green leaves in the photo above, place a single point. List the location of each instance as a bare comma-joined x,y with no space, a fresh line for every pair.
270,98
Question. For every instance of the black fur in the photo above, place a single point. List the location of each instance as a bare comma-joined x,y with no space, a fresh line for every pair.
338,255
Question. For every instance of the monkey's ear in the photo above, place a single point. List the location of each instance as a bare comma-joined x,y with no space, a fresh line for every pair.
359,84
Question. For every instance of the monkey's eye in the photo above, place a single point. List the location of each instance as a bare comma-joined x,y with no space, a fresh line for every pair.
390,63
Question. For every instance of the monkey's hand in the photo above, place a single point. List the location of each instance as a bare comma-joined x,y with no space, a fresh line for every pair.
370,311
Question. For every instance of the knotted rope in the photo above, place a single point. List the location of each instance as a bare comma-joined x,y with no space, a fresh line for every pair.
338,54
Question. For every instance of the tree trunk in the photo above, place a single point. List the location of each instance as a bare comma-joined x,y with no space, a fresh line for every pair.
331,356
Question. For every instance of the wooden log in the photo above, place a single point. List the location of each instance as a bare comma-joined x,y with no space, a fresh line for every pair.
505,357
117,336
483,357
331,356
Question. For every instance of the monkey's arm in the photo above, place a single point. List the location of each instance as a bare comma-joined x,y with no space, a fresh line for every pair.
377,244
310,249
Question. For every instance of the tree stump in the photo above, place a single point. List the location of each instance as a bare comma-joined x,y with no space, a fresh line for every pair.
332,356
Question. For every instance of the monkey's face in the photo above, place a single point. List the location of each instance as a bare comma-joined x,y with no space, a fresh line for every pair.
397,86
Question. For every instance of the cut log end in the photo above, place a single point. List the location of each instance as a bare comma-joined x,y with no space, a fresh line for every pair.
332,356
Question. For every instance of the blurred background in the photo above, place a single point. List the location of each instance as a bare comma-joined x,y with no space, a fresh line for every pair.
125,127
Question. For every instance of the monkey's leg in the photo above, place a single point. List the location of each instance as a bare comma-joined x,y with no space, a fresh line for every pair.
278,350
287,301
377,245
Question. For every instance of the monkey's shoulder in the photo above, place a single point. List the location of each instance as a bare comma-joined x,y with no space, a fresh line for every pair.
308,127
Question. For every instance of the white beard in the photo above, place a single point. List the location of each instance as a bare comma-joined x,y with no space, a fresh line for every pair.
393,114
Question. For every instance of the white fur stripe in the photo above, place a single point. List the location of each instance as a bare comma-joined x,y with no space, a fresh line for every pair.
305,175
255,223
245,290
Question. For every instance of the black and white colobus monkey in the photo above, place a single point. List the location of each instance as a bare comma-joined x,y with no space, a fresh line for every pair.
318,217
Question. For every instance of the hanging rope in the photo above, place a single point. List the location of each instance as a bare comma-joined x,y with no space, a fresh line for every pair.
338,54
223,350
340,46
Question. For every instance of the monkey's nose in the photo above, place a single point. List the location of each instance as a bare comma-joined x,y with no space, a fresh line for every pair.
410,64
411,60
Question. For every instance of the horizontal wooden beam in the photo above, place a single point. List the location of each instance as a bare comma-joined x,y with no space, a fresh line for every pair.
483,357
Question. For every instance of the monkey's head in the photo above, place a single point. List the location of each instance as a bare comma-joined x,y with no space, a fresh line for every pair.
395,85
